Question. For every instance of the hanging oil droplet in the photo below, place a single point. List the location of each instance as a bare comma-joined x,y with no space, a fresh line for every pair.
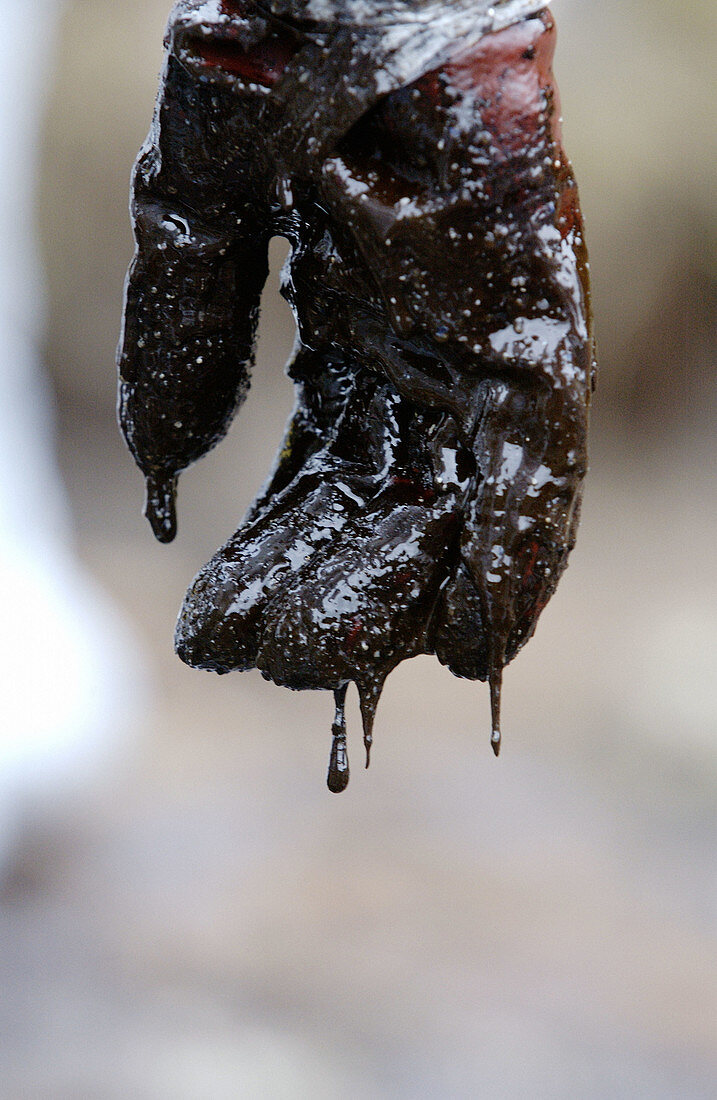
338,777
496,682
369,695
160,506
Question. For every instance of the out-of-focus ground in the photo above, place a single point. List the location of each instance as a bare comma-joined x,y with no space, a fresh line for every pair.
208,922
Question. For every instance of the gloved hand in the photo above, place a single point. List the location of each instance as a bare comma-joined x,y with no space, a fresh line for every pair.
427,493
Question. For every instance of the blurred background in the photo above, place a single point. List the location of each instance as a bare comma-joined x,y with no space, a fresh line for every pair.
185,911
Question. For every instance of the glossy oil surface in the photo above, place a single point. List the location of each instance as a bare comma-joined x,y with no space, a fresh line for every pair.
426,495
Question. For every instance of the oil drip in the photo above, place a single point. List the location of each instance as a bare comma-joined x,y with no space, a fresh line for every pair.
160,506
369,695
338,777
496,683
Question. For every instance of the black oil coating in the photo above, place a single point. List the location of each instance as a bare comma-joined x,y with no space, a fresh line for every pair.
426,495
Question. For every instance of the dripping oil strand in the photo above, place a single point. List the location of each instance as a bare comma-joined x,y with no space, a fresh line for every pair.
160,506
369,695
496,683
338,777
